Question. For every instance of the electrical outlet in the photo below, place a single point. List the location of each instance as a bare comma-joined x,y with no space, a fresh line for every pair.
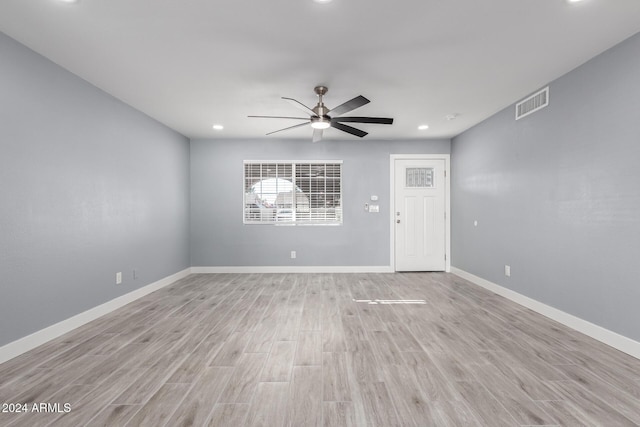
507,270
293,254
118,277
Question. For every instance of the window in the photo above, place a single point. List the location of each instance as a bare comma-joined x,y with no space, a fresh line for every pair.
419,177
292,192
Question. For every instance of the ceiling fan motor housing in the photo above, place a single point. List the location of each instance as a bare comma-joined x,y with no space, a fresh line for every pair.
321,110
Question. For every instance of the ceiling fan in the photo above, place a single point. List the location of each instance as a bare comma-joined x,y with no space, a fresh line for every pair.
320,119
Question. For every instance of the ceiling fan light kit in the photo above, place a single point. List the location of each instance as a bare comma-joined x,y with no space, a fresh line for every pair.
320,119
320,122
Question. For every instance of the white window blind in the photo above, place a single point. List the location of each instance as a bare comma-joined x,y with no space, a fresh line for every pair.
279,192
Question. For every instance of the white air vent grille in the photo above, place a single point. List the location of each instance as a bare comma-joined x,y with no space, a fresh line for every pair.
532,103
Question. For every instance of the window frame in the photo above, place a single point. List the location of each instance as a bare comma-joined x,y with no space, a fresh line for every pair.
294,165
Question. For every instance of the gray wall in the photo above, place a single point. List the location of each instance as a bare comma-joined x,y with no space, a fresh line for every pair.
219,238
557,195
88,187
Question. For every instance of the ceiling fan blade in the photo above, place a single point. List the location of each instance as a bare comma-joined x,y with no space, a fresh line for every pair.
377,120
348,129
352,104
290,127
317,135
299,105
280,117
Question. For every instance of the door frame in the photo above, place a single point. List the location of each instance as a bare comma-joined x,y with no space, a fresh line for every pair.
447,203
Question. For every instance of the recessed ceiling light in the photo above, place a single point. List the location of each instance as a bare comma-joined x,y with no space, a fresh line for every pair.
423,127
69,1
574,1
218,127
322,1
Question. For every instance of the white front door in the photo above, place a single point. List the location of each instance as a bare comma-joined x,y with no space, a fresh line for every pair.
419,214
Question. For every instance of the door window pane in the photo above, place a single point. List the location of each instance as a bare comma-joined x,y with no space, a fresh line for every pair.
419,178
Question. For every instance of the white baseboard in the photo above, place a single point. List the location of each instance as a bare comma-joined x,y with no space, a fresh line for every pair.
613,339
294,269
22,345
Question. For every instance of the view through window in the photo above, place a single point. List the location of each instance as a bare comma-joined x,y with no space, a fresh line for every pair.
278,192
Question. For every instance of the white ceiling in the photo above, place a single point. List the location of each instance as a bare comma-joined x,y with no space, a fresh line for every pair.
192,63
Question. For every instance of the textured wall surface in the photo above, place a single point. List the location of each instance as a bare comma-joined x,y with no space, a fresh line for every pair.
557,195
219,238
88,187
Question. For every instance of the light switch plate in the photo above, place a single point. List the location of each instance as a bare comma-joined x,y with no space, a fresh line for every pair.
374,208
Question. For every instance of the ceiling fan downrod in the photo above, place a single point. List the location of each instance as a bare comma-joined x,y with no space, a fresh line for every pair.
321,110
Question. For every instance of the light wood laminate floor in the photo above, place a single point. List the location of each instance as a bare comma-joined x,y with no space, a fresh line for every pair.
414,349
